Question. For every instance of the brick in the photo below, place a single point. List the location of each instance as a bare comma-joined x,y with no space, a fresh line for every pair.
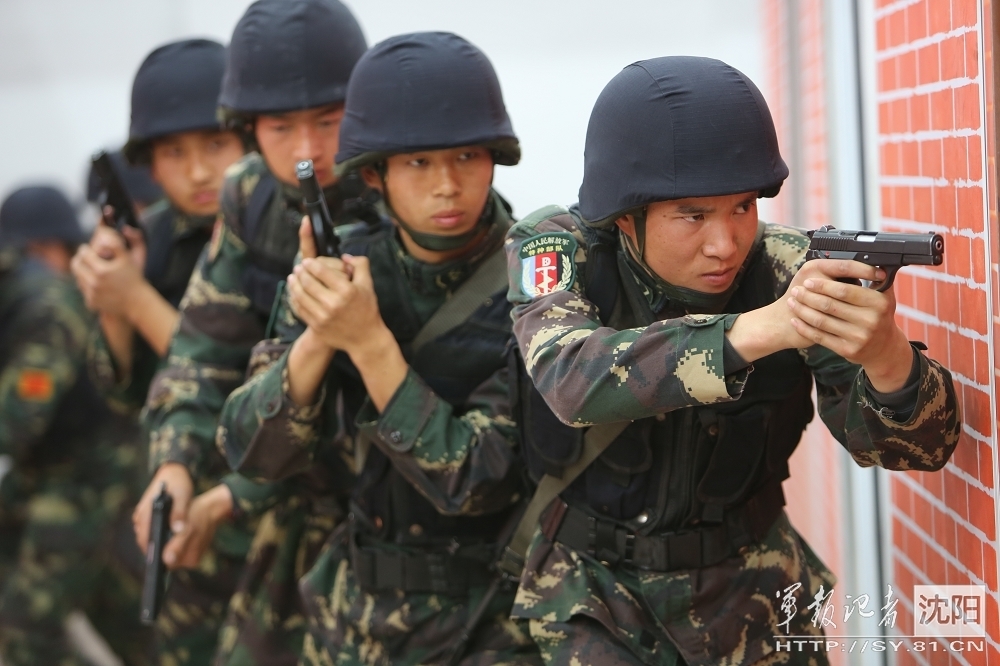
976,414
887,79
986,459
938,17
981,512
925,303
920,113
886,198
885,117
901,202
928,64
942,111
897,28
984,366
973,312
934,567
944,205
909,158
972,55
989,567
964,13
974,146
916,21
970,208
900,116
931,158
962,355
971,549
882,34
934,483
923,209
952,57
956,493
955,151
966,455
957,252
947,296
944,530
979,259
889,154
967,107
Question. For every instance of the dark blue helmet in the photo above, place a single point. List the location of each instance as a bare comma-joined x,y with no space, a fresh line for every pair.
677,127
39,213
288,55
423,91
175,90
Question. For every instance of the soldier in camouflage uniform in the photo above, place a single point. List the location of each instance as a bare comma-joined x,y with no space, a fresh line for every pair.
136,288
399,362
69,487
661,303
283,90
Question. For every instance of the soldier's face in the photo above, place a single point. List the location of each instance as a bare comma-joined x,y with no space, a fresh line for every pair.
288,138
438,191
190,167
698,243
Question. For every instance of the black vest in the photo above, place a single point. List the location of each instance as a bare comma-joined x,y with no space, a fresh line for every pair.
690,465
171,258
385,504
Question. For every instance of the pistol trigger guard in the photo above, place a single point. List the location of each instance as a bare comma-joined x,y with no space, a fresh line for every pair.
890,277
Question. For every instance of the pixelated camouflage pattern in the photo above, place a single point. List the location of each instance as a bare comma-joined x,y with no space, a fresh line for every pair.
465,461
71,488
723,614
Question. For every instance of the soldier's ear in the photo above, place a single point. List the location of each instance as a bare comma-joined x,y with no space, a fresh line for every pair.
627,224
371,177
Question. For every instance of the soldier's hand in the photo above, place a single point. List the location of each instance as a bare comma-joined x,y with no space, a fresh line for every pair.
179,487
853,321
336,298
107,272
208,510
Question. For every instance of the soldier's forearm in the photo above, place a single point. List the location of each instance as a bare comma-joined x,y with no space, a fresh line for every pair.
153,317
307,363
382,367
118,334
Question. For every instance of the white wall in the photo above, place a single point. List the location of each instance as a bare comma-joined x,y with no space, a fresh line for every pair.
66,68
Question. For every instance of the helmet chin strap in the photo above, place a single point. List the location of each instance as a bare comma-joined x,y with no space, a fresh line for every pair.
436,242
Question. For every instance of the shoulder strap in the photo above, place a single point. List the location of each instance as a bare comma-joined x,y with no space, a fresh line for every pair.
488,279
597,439
257,206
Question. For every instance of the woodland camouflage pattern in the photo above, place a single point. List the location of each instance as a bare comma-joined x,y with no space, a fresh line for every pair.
463,460
73,481
724,614
208,359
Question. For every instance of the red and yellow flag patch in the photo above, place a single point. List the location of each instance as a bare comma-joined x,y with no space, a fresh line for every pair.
35,385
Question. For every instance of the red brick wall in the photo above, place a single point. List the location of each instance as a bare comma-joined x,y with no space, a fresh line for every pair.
932,138
932,133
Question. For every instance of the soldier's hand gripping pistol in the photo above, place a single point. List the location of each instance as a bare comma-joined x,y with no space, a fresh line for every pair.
113,194
887,251
327,242
155,583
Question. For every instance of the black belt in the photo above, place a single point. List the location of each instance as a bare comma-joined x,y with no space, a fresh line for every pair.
699,547
379,569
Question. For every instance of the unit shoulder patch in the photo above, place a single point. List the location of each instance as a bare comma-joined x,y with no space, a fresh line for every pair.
35,385
547,263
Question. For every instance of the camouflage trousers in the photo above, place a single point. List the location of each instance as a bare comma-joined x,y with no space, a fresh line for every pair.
76,552
266,623
348,626
194,608
580,611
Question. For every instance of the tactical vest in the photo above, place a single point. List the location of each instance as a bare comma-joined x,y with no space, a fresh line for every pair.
686,467
171,258
270,229
386,506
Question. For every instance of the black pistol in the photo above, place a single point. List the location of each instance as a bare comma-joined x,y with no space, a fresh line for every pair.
155,583
888,251
113,194
327,242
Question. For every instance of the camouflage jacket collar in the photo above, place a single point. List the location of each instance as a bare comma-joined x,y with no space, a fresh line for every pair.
427,279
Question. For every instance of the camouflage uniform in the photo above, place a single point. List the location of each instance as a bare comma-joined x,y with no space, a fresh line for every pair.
657,364
74,476
224,312
440,470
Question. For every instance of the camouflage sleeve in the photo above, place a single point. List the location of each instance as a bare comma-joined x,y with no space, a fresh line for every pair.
263,434
252,500
123,394
869,431
581,367
208,355
47,344
463,461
